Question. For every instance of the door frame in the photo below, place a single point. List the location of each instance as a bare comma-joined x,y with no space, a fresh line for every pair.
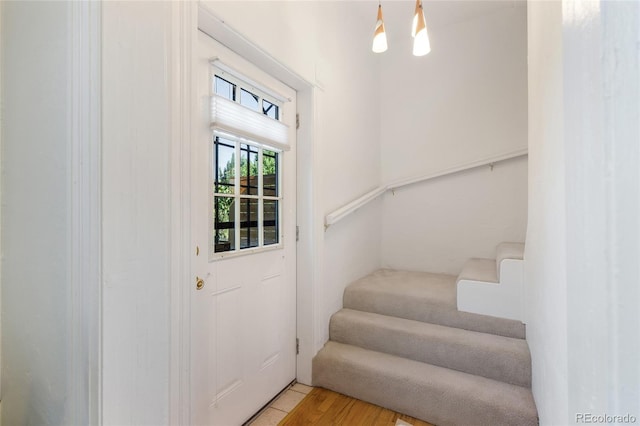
187,19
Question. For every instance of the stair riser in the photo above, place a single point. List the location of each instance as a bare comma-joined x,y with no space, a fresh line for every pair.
504,300
434,394
498,358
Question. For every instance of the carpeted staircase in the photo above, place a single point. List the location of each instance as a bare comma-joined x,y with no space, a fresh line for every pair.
401,343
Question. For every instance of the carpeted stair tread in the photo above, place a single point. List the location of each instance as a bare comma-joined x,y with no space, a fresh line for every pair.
435,394
495,357
479,270
429,288
422,296
508,251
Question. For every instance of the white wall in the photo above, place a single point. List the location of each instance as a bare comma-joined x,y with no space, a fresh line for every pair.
328,44
583,240
36,316
602,153
136,222
464,101
438,225
546,249
350,142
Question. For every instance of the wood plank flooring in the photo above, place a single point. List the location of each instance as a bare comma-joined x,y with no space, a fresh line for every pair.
324,407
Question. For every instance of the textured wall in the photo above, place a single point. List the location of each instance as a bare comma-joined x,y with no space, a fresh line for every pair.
36,315
135,201
583,240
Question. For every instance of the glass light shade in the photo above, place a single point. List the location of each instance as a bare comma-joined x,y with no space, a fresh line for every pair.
379,36
421,45
379,43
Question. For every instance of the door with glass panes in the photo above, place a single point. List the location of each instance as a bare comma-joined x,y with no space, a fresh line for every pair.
243,309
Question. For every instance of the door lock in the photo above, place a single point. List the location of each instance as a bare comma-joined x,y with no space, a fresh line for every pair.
199,283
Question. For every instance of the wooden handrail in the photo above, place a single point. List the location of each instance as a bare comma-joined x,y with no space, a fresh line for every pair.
344,211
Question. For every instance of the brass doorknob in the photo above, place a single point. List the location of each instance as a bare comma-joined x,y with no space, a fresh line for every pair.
199,283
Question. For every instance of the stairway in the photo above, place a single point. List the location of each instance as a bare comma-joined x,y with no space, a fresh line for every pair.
401,343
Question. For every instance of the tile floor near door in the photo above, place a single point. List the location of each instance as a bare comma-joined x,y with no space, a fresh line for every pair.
279,408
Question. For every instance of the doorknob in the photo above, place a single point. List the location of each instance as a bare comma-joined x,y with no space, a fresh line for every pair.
199,283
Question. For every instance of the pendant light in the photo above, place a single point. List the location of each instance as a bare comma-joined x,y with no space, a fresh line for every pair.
379,36
414,24
421,44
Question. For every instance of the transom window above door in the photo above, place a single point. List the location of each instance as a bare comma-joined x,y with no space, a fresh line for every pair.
249,98
246,167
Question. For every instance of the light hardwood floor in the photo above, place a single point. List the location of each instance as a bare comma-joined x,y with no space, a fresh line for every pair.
324,407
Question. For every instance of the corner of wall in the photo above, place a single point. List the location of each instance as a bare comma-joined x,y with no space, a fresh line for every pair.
545,252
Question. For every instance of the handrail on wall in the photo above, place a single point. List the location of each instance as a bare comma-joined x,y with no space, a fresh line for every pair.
344,211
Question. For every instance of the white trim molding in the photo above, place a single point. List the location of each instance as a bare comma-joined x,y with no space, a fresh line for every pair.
216,27
310,253
85,212
184,29
344,211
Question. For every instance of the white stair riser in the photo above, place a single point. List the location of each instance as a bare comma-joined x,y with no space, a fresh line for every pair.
504,300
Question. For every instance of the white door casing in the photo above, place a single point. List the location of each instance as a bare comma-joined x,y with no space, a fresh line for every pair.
243,322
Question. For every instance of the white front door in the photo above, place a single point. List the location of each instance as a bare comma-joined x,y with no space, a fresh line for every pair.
243,342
